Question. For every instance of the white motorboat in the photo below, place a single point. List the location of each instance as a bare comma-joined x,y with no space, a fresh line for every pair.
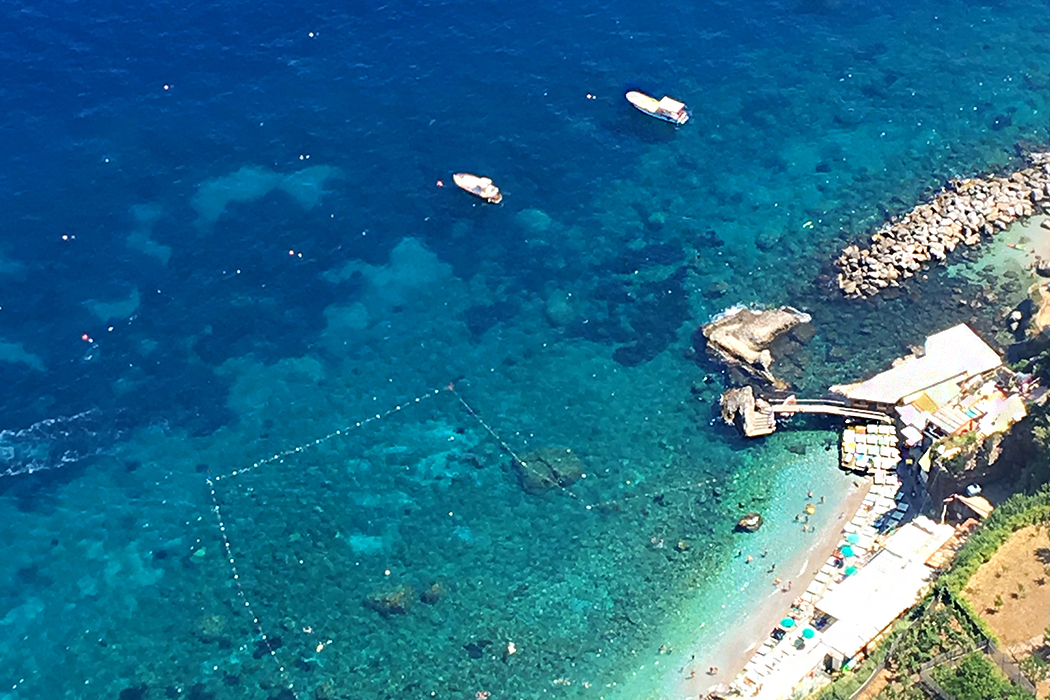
478,186
670,110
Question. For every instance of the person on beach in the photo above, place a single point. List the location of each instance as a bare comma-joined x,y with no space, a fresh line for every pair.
776,582
712,671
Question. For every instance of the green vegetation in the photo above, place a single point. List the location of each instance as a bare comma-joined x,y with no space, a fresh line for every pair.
1020,510
850,681
940,629
945,621
962,448
977,678
1036,469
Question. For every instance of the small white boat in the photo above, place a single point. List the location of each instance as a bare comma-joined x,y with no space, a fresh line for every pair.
478,186
665,108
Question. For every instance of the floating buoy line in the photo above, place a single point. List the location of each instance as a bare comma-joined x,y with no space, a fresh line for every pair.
213,482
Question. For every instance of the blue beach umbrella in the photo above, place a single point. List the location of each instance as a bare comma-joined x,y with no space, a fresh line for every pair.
809,633
847,551
850,570
853,538
787,623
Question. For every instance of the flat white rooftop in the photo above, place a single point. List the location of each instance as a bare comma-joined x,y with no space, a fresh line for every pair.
955,353
866,603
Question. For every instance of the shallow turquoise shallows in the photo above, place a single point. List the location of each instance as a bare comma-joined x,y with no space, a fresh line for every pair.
286,414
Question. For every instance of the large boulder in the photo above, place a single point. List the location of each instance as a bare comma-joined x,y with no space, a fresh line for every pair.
749,523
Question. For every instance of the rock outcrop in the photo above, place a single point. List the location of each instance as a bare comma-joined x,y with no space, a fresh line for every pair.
741,408
433,594
1030,324
742,337
962,213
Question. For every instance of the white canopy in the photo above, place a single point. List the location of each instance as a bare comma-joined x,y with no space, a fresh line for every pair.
866,603
953,354
671,105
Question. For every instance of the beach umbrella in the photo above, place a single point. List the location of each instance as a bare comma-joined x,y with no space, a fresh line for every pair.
787,623
847,551
850,570
809,633
853,538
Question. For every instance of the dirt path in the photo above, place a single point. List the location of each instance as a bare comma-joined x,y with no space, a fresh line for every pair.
1011,591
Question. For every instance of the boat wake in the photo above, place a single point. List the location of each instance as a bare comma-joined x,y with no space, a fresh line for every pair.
49,444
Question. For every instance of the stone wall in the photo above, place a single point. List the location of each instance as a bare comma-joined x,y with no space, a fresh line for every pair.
962,213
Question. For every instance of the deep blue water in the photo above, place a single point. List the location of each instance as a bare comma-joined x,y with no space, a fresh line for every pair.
237,206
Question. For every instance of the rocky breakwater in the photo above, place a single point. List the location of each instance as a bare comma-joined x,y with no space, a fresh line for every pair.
962,213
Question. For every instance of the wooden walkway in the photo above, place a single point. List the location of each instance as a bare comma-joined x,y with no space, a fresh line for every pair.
793,405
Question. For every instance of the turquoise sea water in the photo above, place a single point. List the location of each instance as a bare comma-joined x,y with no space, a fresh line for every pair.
238,208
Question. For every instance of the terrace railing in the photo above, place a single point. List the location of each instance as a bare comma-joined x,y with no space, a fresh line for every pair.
1009,667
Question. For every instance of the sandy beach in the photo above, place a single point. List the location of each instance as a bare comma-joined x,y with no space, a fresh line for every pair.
732,612
744,635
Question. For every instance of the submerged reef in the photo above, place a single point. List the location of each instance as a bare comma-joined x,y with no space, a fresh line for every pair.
394,601
548,468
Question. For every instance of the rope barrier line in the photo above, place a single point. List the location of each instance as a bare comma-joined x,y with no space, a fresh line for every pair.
281,456
652,494
503,443
240,590
519,460
242,594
